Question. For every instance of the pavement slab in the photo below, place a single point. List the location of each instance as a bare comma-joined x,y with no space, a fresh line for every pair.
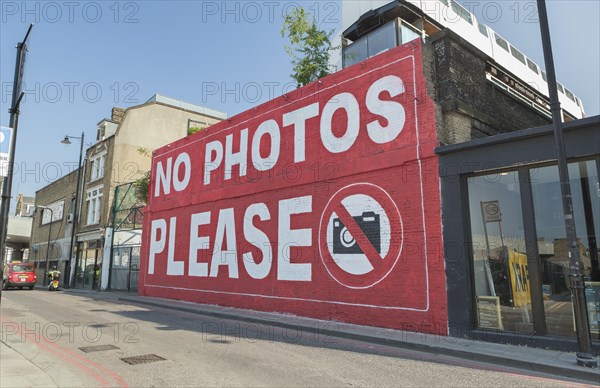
18,371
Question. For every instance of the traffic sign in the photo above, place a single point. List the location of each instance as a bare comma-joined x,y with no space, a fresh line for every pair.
491,211
360,235
5,136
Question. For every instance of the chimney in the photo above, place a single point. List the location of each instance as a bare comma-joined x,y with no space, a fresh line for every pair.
117,115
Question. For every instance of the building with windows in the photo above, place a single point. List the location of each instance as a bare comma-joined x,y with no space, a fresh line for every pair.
118,155
506,256
437,125
53,223
25,206
507,260
19,230
374,26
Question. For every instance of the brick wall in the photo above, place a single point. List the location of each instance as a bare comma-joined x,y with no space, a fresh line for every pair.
469,106
374,162
60,230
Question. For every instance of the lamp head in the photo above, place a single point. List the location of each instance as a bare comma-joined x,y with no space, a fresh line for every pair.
66,140
40,207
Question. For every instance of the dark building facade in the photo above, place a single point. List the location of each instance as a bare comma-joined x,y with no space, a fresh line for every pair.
504,235
505,248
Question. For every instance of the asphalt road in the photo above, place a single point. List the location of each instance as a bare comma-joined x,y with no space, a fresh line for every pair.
50,328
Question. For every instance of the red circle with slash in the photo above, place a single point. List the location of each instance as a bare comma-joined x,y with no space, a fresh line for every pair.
380,263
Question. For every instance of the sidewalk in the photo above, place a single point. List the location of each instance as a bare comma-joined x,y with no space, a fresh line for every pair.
18,371
521,357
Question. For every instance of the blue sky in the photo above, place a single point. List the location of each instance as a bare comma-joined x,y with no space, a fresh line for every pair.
86,57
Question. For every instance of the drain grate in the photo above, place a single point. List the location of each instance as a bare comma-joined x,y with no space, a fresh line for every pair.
144,359
97,348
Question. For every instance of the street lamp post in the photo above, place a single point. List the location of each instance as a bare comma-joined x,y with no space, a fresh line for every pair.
49,235
14,111
585,356
67,140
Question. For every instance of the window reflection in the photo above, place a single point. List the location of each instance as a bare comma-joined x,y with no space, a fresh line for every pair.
499,255
382,39
553,246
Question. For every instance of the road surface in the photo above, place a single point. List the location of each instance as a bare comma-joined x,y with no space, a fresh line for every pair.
54,329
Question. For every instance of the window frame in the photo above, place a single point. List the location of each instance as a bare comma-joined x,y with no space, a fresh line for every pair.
500,41
94,197
570,95
519,56
532,65
483,29
98,163
56,215
461,11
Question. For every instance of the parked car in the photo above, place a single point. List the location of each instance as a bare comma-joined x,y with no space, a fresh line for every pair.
18,275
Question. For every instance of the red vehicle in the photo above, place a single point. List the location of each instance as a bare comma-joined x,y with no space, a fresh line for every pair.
18,275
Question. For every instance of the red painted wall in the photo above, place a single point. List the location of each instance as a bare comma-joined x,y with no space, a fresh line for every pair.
324,203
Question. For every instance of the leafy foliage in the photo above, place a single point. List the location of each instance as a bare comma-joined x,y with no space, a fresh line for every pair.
143,151
193,130
310,47
141,186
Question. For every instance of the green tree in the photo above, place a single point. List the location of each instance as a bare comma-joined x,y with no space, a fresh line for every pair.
142,184
310,47
193,130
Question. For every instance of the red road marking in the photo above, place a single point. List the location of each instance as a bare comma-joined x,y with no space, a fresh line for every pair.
51,347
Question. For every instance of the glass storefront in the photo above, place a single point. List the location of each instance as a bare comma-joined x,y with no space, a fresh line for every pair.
552,239
500,268
507,298
89,262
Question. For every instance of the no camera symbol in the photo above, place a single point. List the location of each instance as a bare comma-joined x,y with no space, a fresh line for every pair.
492,209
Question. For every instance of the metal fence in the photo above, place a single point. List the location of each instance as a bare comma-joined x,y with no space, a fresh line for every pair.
127,215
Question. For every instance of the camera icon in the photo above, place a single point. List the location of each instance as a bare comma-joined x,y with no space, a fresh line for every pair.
344,242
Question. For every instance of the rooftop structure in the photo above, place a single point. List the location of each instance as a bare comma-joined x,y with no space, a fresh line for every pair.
509,68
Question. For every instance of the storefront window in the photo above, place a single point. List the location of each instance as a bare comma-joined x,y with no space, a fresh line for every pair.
553,247
89,256
501,274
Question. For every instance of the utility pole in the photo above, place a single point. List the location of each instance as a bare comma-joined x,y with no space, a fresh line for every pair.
68,272
17,96
577,285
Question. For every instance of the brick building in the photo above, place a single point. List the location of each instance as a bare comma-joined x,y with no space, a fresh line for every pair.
349,185
118,154
19,230
506,274
51,231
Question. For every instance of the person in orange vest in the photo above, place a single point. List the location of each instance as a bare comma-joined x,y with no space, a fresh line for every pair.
96,276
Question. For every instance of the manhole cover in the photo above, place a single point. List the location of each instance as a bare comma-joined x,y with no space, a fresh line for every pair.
97,348
146,358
